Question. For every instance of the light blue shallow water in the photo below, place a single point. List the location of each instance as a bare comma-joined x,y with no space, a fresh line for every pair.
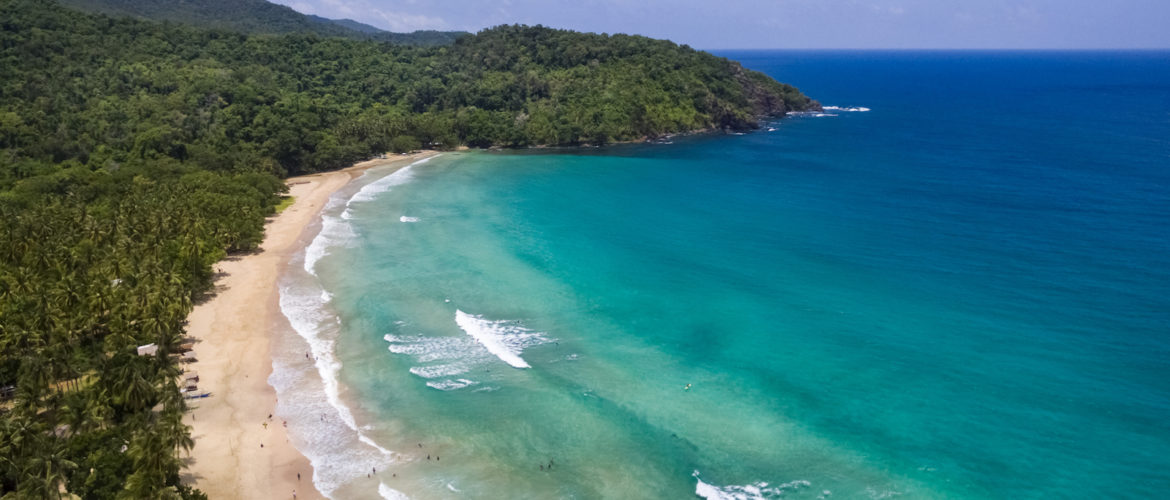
964,292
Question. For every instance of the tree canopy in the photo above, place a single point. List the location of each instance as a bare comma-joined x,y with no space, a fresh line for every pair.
135,154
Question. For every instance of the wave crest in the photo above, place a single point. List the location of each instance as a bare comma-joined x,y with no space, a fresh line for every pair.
754,491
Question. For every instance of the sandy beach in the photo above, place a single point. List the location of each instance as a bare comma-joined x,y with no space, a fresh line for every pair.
241,449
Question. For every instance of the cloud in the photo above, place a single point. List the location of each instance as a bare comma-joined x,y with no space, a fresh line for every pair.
339,6
404,22
303,7
893,10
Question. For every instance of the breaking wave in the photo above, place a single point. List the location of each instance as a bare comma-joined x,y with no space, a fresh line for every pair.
754,491
445,361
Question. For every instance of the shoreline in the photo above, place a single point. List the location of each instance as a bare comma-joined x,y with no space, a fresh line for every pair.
241,448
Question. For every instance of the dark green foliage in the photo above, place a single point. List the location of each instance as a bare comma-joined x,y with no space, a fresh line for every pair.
105,92
134,155
404,144
85,277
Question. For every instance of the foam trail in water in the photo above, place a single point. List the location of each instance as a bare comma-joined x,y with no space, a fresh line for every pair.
846,109
451,385
754,491
389,493
398,178
335,229
310,394
438,371
308,385
306,316
501,338
445,362
440,357
408,219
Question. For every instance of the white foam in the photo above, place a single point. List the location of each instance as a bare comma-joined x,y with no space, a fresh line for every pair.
306,314
876,494
707,491
504,339
335,229
847,109
366,439
398,178
389,493
440,360
322,349
755,491
330,446
813,114
310,394
438,371
453,488
429,349
408,219
451,385
440,357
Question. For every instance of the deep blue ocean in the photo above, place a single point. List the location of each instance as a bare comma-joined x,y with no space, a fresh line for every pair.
963,292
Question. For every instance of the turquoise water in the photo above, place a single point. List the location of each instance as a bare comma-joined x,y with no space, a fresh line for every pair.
964,293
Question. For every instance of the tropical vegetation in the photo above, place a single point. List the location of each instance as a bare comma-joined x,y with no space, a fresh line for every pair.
135,154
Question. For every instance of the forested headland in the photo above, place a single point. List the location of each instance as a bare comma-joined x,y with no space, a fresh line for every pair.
135,154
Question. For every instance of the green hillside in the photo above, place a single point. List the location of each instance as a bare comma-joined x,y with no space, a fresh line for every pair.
348,23
135,154
253,17
89,88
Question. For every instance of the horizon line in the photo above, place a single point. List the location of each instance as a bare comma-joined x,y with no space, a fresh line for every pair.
949,49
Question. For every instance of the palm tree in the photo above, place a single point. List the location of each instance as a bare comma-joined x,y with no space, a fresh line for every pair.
97,412
47,472
174,431
154,462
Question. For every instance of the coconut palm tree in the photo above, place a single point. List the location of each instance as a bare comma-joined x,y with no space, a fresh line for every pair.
47,471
